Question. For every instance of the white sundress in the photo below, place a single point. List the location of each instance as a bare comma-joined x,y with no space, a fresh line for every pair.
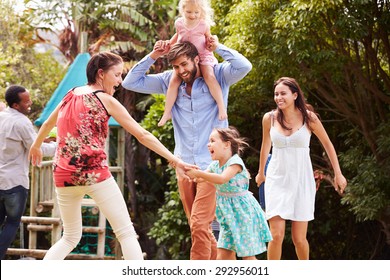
290,186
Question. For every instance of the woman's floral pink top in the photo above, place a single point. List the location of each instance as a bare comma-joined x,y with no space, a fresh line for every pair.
82,129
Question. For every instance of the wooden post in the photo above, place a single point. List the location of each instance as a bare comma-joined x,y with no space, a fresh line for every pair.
32,240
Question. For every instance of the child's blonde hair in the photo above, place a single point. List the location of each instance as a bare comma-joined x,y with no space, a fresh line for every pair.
207,13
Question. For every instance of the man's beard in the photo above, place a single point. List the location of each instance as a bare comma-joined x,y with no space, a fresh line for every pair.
191,77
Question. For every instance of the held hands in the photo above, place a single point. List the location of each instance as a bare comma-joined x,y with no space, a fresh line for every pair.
182,168
192,174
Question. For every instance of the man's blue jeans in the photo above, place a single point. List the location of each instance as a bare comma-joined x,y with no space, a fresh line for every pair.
12,206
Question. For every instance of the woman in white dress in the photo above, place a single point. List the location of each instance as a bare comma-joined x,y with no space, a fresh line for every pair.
289,184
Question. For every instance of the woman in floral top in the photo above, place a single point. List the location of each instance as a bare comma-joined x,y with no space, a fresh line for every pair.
80,165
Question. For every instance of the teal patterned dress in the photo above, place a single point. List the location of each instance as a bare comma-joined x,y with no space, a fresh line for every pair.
243,227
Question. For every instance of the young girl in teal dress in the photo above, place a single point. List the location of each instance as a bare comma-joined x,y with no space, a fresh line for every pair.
243,228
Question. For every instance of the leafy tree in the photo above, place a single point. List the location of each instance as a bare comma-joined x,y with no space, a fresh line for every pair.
18,60
108,24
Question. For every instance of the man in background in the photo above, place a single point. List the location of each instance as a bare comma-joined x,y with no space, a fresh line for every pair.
16,136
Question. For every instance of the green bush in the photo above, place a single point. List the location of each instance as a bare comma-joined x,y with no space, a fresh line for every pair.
170,230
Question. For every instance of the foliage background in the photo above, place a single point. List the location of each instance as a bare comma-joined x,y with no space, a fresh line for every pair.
338,50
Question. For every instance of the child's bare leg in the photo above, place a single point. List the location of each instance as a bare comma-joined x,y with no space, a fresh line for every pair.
224,254
170,98
215,89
